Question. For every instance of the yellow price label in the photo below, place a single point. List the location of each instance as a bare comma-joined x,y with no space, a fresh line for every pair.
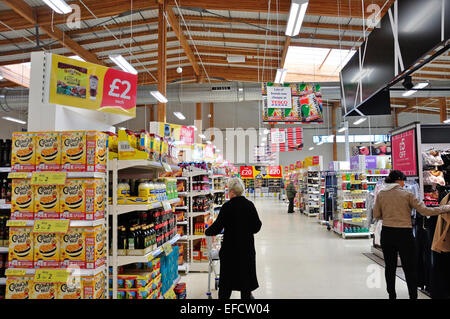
15,272
358,210
51,226
170,294
56,178
357,191
357,220
18,175
16,223
51,275
167,247
150,257
356,182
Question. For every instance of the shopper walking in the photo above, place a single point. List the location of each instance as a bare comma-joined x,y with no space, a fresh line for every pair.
394,207
290,193
239,220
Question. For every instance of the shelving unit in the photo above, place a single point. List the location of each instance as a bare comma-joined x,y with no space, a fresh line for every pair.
313,200
134,167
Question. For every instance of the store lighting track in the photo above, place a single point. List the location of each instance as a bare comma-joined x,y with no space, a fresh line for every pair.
12,119
120,61
59,6
360,121
415,88
280,76
157,95
179,115
342,129
296,16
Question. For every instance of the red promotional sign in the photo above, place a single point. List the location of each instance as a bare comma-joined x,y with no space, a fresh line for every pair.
299,164
292,167
246,171
275,171
315,160
286,169
119,90
187,135
209,151
404,157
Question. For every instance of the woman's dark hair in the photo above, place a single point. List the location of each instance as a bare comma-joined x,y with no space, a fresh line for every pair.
395,176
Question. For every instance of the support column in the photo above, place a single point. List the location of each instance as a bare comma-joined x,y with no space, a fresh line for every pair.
162,58
198,122
151,110
333,123
395,119
211,118
443,109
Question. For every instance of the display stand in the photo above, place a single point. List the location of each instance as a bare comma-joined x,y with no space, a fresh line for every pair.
314,193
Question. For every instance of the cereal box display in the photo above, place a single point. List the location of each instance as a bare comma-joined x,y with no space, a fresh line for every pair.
43,290
18,287
20,254
96,151
46,201
22,199
48,151
73,151
69,290
23,155
83,247
80,199
93,287
46,250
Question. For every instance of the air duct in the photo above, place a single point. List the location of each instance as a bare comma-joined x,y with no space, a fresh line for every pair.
13,99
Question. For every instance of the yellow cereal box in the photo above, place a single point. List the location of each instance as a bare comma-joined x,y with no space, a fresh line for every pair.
100,198
18,287
73,151
73,248
48,151
69,290
20,253
22,199
83,247
94,287
46,250
96,151
23,155
79,199
43,290
46,201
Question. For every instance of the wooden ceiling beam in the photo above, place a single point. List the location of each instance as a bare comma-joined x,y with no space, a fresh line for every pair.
28,13
321,45
285,50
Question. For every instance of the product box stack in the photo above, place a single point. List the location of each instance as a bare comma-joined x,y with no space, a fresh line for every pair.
45,201
169,269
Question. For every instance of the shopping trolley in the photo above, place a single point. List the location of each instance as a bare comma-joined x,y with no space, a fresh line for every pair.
213,247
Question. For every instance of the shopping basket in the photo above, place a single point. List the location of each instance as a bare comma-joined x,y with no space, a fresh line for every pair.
213,247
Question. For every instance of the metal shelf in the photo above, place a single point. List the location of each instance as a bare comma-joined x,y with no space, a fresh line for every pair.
2,281
5,206
181,207
4,249
77,174
74,223
219,191
199,193
75,271
196,214
184,267
5,169
182,223
195,173
122,209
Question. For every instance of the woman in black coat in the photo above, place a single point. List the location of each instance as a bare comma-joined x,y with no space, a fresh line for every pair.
239,220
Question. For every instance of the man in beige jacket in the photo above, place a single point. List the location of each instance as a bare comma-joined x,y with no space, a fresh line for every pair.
394,206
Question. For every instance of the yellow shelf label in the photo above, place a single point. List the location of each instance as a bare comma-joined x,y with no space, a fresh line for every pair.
18,175
15,272
358,210
357,191
357,220
16,223
167,247
51,226
51,275
41,178
170,294
150,257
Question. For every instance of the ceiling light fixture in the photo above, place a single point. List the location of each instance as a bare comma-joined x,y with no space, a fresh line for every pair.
296,16
202,136
342,129
311,148
447,121
320,143
360,121
157,95
179,115
12,119
120,61
379,142
208,142
59,6
280,76
415,88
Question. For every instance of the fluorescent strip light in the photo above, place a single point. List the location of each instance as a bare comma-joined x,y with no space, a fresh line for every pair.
409,93
447,121
296,16
122,63
421,85
378,143
311,148
280,76
320,143
360,121
12,119
59,6
179,115
342,129
208,142
157,95
1,78
201,136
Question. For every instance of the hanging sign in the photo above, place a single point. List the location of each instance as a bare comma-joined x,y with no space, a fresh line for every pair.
404,152
279,97
92,86
298,164
292,167
246,172
209,152
187,135
274,172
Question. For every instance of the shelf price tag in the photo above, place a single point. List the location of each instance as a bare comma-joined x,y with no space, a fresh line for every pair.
16,223
357,191
358,210
57,178
18,175
170,294
51,275
15,272
51,226
150,257
166,205
167,247
357,220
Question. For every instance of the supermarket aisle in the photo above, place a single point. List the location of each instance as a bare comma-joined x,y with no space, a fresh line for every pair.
298,258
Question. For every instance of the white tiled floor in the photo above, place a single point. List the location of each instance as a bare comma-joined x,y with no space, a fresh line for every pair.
298,258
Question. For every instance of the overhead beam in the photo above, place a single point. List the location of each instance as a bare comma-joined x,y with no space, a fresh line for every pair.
443,109
183,41
26,12
285,50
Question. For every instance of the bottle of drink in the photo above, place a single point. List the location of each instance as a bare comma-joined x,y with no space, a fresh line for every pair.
8,191
2,153
8,153
131,238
